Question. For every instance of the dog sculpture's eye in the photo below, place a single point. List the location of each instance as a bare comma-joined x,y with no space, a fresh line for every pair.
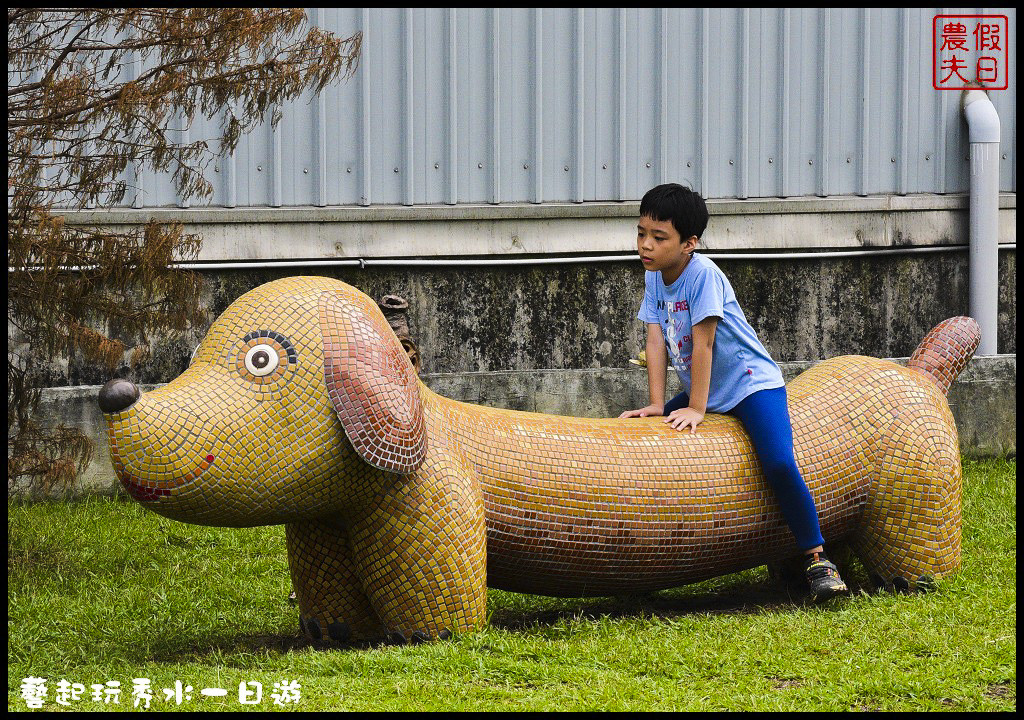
261,360
264,358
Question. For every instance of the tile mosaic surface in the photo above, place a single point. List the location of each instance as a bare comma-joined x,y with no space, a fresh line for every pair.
401,506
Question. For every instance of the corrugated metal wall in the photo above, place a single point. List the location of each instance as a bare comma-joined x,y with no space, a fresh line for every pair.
486,105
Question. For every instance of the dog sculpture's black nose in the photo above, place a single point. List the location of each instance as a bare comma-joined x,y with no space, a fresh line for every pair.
118,395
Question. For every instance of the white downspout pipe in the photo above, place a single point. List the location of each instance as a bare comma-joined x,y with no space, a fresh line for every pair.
983,132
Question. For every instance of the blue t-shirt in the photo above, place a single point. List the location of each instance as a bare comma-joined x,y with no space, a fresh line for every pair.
739,363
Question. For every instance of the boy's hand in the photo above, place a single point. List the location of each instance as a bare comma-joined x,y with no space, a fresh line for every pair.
644,411
683,417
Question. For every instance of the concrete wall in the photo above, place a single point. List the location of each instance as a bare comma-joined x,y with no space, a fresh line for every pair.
557,311
522,230
584,316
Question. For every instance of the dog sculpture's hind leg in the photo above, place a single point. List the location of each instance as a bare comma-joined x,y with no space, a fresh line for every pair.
910,530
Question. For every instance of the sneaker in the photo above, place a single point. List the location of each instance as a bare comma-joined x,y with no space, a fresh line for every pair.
823,577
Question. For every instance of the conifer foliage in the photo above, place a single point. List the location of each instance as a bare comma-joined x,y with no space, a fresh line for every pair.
94,95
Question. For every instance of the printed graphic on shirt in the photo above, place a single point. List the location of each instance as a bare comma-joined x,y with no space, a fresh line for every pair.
677,334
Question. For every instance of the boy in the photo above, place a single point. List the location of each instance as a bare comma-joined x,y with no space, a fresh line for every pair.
692,316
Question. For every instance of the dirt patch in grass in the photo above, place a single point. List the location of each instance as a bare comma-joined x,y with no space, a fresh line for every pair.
1000,691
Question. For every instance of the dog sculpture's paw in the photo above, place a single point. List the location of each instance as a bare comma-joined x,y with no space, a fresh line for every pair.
317,630
342,632
397,637
925,583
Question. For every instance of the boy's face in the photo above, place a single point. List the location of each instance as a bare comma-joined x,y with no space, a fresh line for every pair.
660,247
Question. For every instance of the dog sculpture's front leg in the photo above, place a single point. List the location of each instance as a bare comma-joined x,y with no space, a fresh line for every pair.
421,551
331,598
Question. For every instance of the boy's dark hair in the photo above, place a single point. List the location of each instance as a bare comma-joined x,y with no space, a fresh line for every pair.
681,205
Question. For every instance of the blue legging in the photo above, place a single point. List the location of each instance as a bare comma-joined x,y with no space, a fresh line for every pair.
765,415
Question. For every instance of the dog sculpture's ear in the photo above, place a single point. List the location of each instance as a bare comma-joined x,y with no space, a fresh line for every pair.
371,383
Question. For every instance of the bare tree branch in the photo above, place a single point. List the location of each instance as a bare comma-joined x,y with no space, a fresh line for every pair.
72,131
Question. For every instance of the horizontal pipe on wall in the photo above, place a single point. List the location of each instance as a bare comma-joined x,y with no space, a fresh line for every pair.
442,262
563,259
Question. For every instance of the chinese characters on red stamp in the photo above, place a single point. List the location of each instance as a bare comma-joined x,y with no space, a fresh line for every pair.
970,51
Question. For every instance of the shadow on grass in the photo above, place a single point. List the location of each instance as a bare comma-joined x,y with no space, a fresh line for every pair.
222,648
743,597
781,588
526,614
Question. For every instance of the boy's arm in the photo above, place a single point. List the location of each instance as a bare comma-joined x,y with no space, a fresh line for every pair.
657,367
700,368
700,376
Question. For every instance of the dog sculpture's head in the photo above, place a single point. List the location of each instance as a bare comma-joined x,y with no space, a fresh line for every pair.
297,399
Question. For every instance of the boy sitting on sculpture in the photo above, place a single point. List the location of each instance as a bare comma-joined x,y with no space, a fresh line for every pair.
693,319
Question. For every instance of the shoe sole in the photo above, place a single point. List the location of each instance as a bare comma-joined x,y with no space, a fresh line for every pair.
828,594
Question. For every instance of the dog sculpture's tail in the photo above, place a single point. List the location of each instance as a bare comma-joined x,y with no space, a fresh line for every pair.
946,350
910,530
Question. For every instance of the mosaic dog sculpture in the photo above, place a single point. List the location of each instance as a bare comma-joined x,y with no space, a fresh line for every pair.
402,506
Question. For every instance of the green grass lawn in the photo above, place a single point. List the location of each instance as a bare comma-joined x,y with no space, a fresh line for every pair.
101,590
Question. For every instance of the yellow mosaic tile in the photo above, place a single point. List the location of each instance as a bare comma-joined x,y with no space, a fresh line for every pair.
401,506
